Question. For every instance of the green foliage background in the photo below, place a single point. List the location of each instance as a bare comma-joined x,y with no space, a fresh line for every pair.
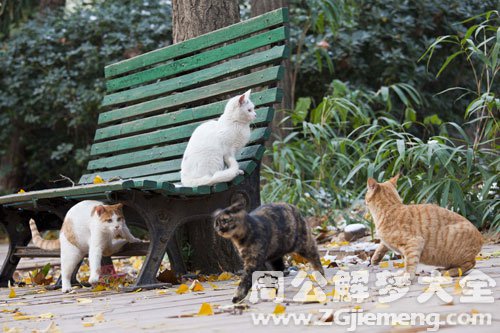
364,103
51,81
378,43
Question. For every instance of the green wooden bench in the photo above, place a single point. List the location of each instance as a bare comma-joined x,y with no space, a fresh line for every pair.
152,105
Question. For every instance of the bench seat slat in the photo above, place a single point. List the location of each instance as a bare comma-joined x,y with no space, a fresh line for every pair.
254,79
200,60
219,36
62,192
163,182
266,97
161,136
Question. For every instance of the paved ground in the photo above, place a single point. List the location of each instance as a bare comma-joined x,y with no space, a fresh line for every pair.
35,310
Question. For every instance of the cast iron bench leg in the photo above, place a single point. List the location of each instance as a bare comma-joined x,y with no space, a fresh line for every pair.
19,235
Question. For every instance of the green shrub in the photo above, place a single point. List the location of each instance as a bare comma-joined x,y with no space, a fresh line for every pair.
51,81
323,164
378,43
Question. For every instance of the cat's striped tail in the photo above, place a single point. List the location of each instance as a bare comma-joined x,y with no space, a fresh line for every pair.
44,244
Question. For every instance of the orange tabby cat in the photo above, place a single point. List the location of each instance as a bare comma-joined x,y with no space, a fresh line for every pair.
421,233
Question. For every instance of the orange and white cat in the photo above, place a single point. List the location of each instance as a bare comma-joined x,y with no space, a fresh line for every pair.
89,228
424,233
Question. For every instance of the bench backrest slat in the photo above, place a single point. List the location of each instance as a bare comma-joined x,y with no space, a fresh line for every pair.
223,35
156,100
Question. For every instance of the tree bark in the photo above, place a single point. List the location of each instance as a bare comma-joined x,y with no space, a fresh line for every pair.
11,163
279,129
192,18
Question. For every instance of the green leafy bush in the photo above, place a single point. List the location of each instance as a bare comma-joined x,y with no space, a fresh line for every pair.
323,164
51,81
378,43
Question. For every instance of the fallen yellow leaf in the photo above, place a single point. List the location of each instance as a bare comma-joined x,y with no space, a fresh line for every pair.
46,315
12,293
224,276
357,307
21,316
83,300
398,264
137,262
183,288
99,287
474,311
459,272
87,324
279,309
479,258
98,180
196,286
384,264
21,191
84,268
457,290
206,310
213,285
325,262
161,292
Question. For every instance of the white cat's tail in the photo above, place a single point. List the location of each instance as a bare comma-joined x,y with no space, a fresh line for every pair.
226,175
192,182
223,176
44,244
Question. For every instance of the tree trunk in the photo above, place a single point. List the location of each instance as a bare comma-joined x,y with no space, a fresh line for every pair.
259,7
11,165
192,18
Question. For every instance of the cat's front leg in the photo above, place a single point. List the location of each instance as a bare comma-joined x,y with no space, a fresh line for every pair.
95,256
412,251
116,246
245,284
379,254
246,278
129,237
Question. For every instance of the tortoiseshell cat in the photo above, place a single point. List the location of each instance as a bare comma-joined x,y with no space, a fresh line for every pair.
423,233
265,235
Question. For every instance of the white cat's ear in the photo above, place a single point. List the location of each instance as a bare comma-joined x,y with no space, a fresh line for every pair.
98,210
371,184
245,97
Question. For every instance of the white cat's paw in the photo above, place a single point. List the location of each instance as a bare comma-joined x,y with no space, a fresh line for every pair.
66,289
94,278
240,172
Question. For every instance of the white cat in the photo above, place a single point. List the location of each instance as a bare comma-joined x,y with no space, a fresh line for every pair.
89,227
214,144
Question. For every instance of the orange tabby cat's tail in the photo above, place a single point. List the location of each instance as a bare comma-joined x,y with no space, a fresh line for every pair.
44,244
